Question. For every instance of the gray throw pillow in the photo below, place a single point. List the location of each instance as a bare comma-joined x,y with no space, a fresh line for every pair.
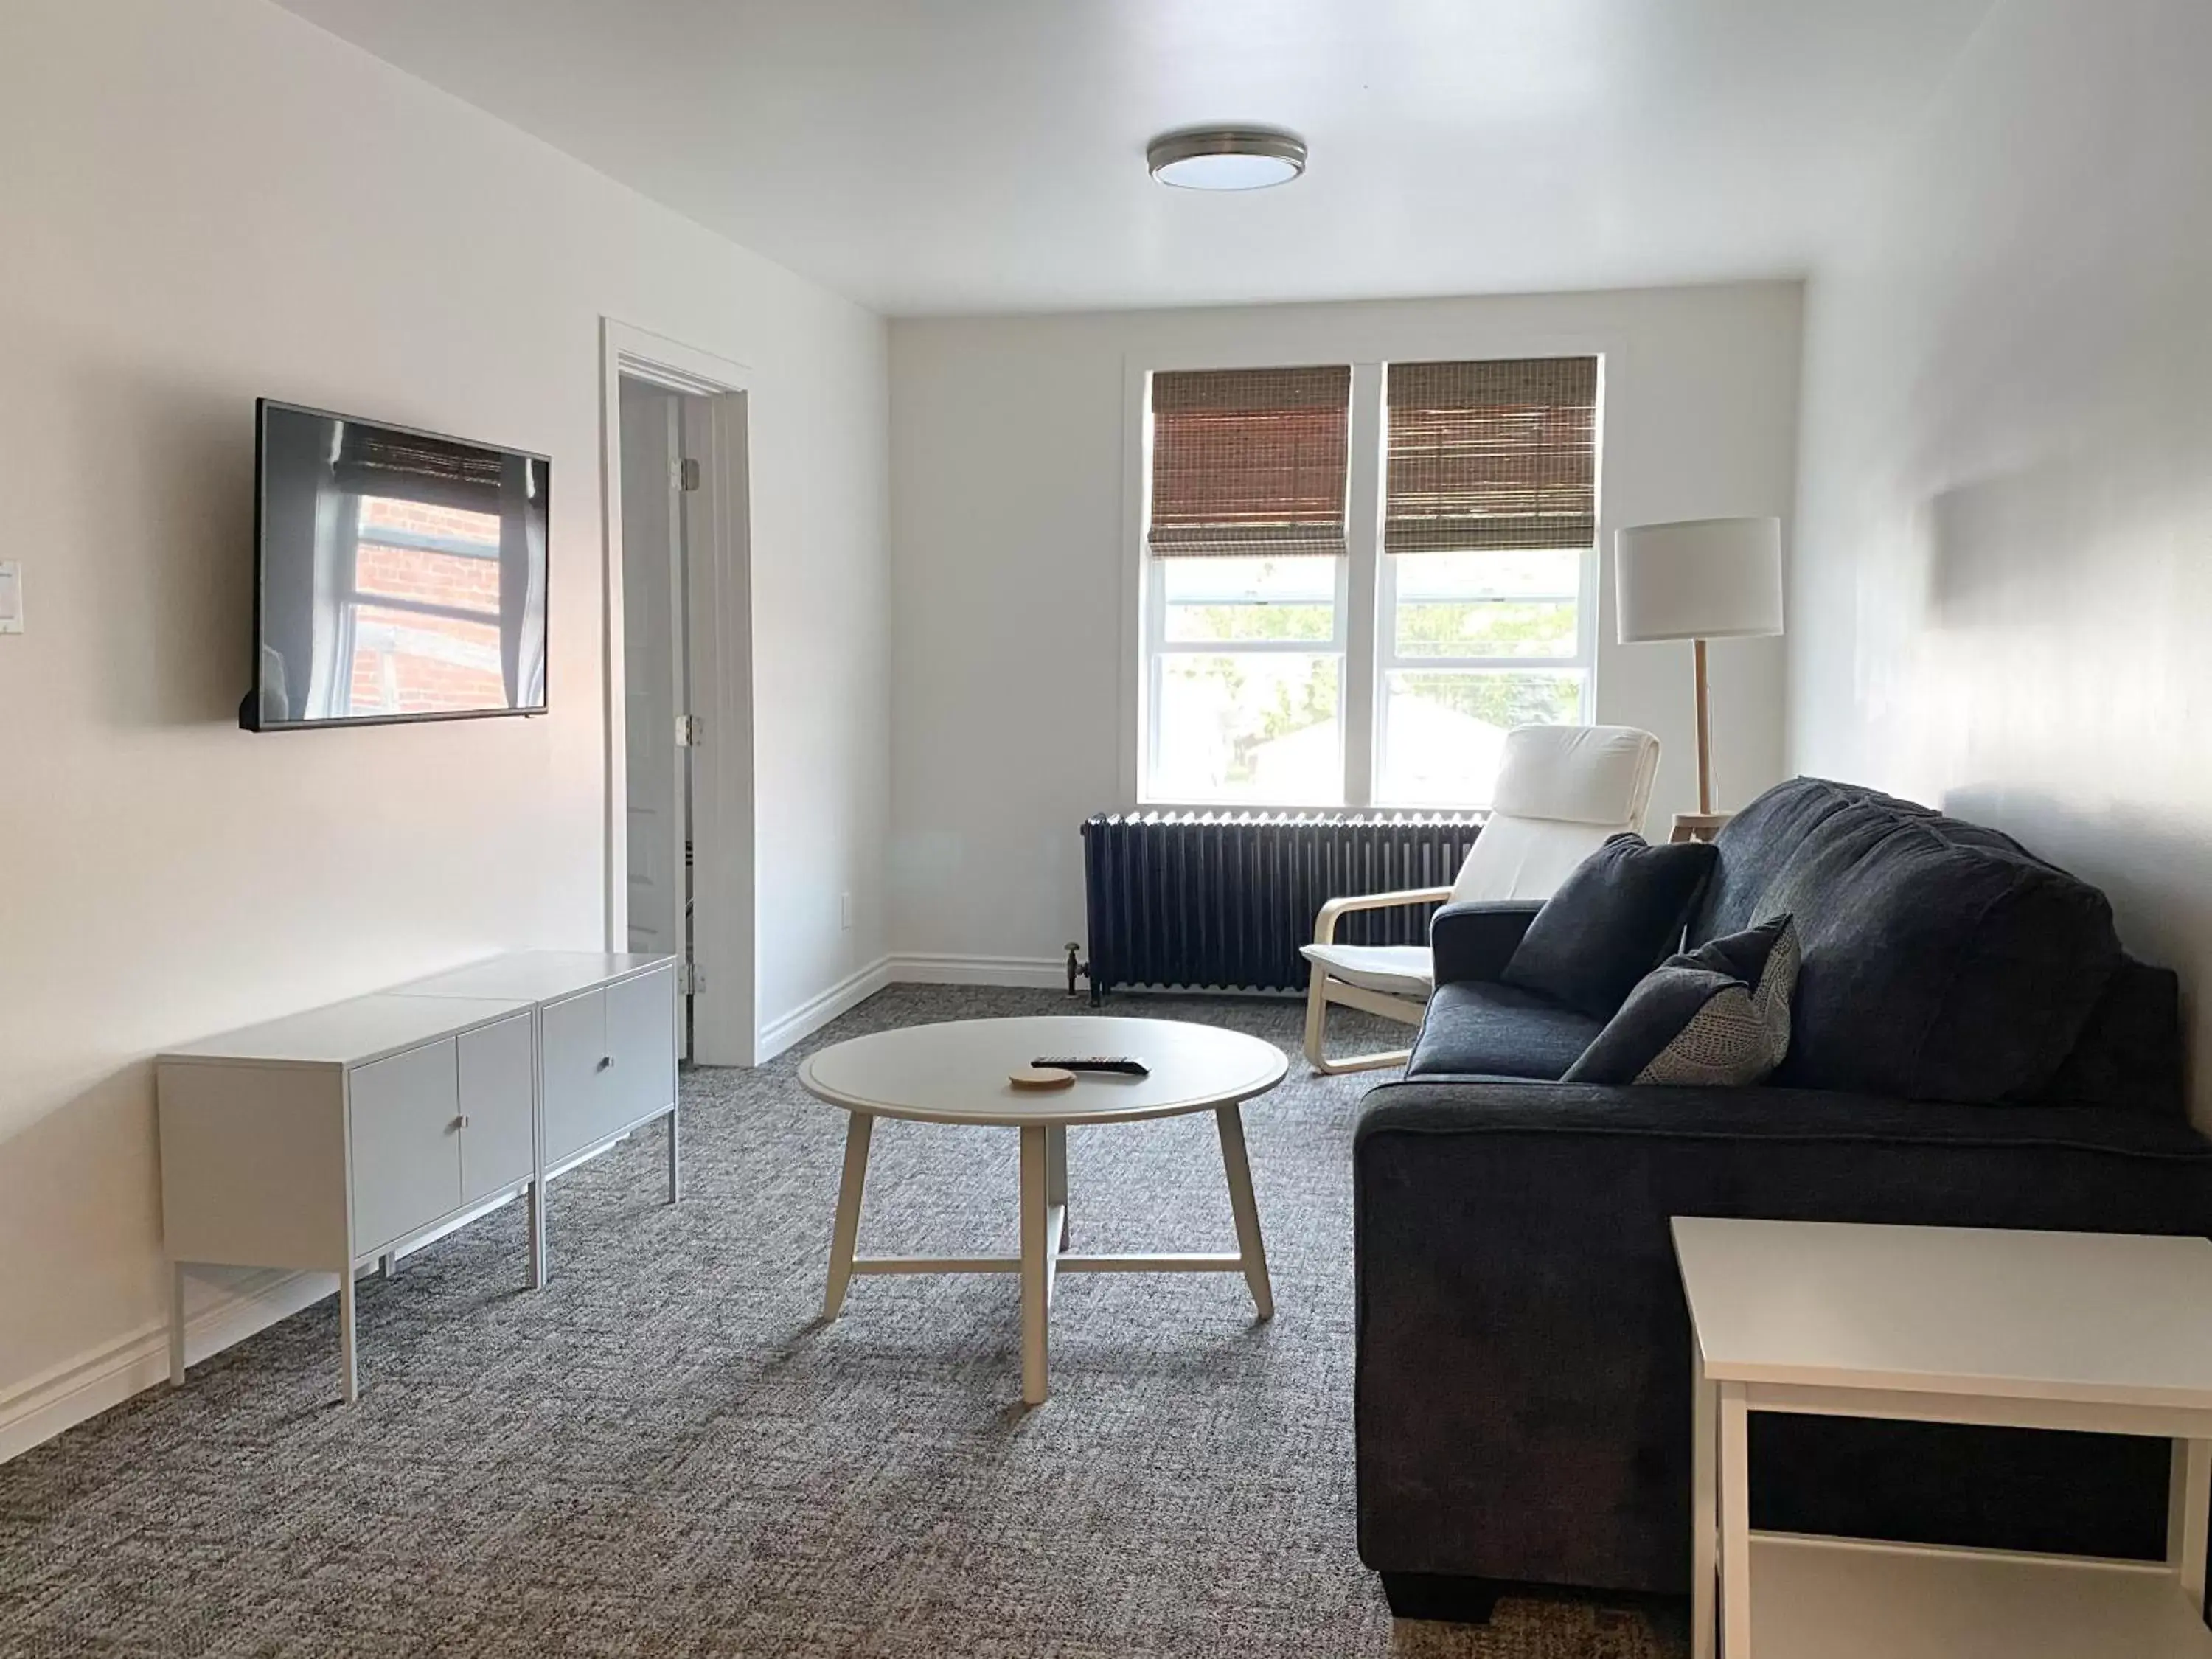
1613,920
1717,1016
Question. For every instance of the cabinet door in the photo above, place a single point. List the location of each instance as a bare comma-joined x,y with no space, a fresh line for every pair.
576,1061
641,1043
494,1093
406,1143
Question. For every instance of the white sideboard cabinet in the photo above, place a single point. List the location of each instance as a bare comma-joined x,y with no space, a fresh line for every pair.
327,1138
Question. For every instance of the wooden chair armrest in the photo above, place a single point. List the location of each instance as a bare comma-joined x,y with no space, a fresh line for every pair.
1325,924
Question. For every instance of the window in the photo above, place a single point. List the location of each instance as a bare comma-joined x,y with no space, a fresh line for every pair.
1480,485
422,617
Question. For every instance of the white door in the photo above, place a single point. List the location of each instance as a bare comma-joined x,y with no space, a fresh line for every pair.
656,678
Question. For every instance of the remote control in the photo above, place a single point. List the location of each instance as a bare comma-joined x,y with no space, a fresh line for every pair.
1121,1063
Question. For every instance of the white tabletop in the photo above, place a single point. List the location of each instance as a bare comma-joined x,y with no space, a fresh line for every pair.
533,975
2101,1318
956,1072
349,1033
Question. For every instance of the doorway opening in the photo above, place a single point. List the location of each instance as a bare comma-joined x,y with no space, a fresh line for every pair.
660,475
678,661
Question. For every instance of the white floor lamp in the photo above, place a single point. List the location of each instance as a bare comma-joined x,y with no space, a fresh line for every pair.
1699,579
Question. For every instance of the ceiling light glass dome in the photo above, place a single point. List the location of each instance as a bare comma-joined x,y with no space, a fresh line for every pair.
1226,158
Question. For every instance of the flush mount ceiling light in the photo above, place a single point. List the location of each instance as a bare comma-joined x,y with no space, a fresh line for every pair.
1226,158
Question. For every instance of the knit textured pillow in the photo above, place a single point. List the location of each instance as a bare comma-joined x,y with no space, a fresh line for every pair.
1716,1016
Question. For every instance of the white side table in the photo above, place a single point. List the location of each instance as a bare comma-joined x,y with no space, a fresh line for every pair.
2106,1333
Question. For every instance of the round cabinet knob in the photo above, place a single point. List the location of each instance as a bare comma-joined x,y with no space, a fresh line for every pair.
462,1122
605,1060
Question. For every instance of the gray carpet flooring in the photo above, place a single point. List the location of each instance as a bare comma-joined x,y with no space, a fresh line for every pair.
663,1453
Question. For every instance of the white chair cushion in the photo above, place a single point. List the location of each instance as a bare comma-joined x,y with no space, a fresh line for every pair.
1525,858
1562,790
1576,773
1402,969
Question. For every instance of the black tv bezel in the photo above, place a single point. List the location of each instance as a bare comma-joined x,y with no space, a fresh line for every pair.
249,710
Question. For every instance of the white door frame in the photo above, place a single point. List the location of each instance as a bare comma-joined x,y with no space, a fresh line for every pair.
725,1019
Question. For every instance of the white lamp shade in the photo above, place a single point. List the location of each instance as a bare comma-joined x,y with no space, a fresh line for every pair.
1699,578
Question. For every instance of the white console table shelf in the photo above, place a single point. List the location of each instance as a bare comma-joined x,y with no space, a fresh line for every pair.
324,1139
2106,1333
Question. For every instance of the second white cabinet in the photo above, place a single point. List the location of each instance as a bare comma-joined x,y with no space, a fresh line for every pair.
606,1025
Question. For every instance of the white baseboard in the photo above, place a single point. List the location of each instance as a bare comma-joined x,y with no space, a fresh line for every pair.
1042,973
811,1016
64,1395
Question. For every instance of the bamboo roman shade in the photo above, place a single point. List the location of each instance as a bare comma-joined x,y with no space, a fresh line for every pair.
376,461
1249,461
1496,454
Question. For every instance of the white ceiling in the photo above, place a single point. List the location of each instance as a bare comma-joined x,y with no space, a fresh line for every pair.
948,156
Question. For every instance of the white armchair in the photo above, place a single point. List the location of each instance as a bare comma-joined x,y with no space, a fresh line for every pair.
1562,791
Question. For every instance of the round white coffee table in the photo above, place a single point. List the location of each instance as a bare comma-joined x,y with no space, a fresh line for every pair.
956,1074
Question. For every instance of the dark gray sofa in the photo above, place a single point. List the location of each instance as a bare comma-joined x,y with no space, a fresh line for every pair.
1970,1046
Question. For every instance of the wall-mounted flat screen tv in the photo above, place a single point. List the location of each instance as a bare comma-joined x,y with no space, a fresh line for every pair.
400,575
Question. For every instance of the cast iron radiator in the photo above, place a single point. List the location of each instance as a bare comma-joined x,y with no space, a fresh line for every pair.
1199,900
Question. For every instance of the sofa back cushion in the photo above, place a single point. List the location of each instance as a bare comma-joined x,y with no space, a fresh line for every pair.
1942,961
1612,921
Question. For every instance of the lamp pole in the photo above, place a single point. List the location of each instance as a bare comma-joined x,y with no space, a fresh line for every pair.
1705,734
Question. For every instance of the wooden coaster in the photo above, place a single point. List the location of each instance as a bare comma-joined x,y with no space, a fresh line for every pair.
1040,1077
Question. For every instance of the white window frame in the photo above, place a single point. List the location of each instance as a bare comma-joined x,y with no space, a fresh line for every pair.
1158,648
1366,636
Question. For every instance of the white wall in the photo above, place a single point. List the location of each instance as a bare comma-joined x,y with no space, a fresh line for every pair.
2003,585
203,203
1008,551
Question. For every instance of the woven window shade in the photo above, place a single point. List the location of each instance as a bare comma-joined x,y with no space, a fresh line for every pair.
1249,461
398,465
1491,454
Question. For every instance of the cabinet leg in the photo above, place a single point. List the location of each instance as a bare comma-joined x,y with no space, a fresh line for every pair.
345,1334
1735,1523
538,1234
2189,1490
675,1160
176,1324
388,1264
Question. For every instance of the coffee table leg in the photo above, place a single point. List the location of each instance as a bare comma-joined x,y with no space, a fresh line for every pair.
2189,1491
1055,1176
1036,1260
1231,1122
846,1231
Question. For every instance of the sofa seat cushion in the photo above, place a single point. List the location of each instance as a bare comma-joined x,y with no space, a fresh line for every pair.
1942,960
1477,1028
1400,970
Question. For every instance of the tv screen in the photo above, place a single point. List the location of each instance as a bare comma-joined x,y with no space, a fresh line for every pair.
400,575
